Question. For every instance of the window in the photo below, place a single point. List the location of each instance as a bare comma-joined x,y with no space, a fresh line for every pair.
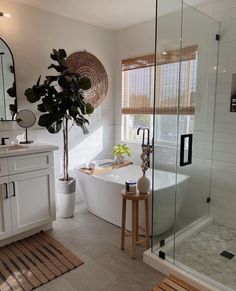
166,126
138,94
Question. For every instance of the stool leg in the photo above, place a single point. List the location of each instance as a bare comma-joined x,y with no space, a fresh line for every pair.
137,220
147,236
134,232
123,223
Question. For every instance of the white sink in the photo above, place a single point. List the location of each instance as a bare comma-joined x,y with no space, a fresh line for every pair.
12,147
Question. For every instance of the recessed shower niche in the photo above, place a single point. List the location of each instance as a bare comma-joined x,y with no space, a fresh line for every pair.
233,94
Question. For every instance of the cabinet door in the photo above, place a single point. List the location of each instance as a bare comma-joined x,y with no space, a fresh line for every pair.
5,210
32,199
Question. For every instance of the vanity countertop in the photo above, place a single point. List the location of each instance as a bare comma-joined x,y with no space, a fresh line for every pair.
25,149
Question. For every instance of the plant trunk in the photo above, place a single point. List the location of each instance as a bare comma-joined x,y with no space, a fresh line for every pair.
65,154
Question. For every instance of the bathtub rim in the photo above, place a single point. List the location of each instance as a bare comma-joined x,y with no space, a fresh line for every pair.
102,176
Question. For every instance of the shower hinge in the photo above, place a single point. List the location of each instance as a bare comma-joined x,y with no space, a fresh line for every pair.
208,200
162,255
217,37
162,243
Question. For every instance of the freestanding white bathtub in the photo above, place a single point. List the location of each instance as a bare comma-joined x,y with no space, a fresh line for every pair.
102,196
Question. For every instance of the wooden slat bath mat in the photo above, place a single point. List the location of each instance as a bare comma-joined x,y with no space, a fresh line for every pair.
34,261
173,283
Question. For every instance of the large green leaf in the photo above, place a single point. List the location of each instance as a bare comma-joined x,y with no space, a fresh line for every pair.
41,107
62,53
89,108
73,111
63,82
13,109
38,81
44,120
58,68
84,83
31,95
51,79
85,129
59,56
12,91
55,126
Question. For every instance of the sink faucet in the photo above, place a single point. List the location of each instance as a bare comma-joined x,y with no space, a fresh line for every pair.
146,143
3,140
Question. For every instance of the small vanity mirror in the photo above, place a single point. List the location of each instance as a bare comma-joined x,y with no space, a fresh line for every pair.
8,99
26,119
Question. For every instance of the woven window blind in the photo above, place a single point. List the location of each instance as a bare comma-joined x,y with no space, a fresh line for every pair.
138,83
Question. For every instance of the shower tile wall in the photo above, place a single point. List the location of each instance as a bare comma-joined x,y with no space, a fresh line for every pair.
224,151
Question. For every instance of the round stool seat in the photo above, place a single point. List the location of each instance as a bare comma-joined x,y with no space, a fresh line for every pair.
136,196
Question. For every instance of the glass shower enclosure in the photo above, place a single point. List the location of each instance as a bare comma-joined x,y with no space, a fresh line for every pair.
187,42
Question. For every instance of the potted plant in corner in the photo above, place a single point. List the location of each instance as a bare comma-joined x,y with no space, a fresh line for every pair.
120,151
62,104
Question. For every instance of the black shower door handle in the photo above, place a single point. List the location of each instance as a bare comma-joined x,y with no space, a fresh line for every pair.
189,137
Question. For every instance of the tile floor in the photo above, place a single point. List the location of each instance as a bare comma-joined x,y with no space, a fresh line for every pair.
106,267
202,253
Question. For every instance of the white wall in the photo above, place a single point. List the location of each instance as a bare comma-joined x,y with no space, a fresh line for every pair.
32,34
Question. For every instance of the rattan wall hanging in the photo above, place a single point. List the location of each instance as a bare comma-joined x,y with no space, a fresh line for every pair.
89,66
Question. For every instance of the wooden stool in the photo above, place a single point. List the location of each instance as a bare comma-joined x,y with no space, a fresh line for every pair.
135,198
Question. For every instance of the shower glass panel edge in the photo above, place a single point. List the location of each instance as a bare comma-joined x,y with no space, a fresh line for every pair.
168,48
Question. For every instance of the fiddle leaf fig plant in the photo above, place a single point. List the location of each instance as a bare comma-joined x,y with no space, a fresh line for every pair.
61,101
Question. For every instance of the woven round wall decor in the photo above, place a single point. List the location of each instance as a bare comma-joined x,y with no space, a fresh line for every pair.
87,65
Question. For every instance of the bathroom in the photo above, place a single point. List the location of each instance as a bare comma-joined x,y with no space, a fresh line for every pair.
192,216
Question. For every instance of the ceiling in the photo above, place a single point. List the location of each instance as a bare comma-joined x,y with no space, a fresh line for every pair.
109,14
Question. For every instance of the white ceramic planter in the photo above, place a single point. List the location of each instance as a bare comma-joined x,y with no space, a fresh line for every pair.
143,184
66,191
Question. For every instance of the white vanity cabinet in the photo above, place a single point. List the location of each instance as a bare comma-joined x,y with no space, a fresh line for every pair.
27,194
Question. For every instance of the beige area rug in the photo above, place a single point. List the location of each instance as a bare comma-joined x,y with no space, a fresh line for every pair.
34,261
173,283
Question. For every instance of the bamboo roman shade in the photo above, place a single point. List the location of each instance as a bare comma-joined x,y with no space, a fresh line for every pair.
138,83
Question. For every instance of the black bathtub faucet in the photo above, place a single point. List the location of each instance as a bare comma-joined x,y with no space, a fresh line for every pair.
146,141
144,130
